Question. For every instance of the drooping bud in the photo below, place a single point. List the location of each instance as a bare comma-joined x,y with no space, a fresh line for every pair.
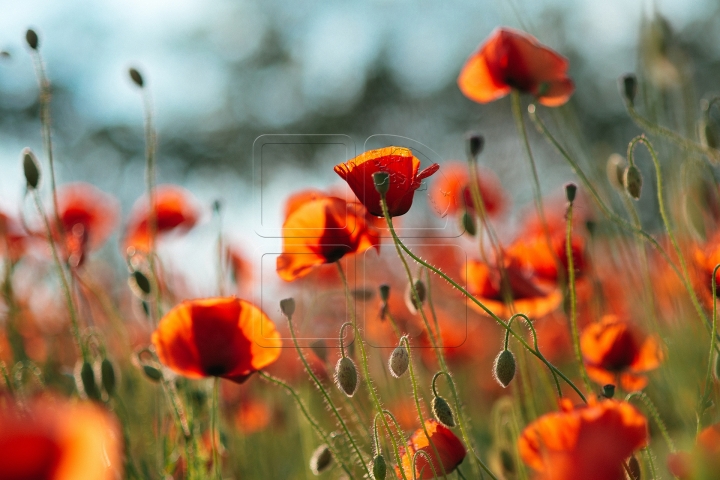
608,390
31,37
632,180
320,459
504,368
31,168
570,191
136,77
442,411
287,307
379,467
319,347
139,284
708,136
152,373
475,143
346,376
107,376
410,300
399,361
468,223
87,385
384,293
634,467
629,88
615,170
382,182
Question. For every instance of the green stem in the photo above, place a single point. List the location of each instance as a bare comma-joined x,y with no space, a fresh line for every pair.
215,428
429,461
648,455
656,416
708,373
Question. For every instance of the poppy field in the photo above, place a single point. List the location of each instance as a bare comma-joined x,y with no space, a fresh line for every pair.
412,320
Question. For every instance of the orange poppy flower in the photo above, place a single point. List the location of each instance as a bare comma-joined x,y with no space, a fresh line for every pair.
703,462
403,168
221,337
449,447
533,254
589,442
59,440
613,348
511,59
175,209
451,192
485,283
320,230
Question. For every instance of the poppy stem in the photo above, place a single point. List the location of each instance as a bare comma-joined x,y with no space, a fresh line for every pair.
708,374
364,364
651,463
656,416
342,337
429,461
215,428
316,426
535,343
573,297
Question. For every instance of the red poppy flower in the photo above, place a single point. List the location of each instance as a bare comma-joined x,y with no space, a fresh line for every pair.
704,462
87,215
403,168
451,192
175,209
320,230
221,337
533,254
511,59
449,447
589,442
13,239
55,440
613,348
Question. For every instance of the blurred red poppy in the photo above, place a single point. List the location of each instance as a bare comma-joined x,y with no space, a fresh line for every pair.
221,337
59,440
322,229
614,349
449,447
13,239
533,254
704,462
511,59
175,209
589,442
403,168
451,192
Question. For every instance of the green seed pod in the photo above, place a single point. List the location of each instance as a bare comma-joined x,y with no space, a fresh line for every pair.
152,373
136,77
88,385
287,307
634,467
107,376
31,169
442,411
570,191
629,87
608,390
475,143
384,292
632,180
32,39
139,284
468,224
346,376
382,182
399,361
504,368
379,468
320,459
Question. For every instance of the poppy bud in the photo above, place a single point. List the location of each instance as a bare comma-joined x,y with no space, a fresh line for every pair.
32,38
629,84
107,376
475,143
379,467
136,77
319,348
87,384
287,307
632,181
468,224
399,361
31,169
507,462
709,137
615,170
442,411
139,284
382,182
411,301
384,293
570,191
152,373
634,467
504,368
608,390
320,459
346,376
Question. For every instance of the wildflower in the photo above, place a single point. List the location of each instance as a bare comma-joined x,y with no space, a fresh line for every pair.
448,445
703,462
320,230
612,347
175,210
400,164
451,193
222,337
511,59
589,442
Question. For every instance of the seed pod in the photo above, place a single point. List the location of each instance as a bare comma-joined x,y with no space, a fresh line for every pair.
608,390
346,376
287,307
442,411
320,459
504,368
475,143
399,361
384,293
88,385
634,467
468,224
152,373
31,169
629,84
379,467
107,376
32,39
632,180
382,182
136,77
570,191
139,284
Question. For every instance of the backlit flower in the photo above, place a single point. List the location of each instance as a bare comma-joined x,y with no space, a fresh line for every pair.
614,349
320,230
221,337
451,193
405,178
590,442
448,445
511,59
